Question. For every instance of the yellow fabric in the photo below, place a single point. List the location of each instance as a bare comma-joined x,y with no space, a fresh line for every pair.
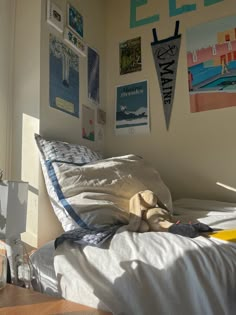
226,235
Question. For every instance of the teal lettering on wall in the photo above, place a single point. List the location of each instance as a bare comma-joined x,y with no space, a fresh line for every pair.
210,2
134,4
185,8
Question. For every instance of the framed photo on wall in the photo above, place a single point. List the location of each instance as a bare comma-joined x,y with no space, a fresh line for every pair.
88,123
75,20
63,77
132,109
55,16
75,42
93,61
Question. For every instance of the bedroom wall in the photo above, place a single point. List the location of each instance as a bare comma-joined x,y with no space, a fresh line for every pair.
55,124
198,150
7,39
26,104
31,112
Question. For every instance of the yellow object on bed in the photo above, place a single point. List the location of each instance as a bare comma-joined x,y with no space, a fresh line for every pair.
226,235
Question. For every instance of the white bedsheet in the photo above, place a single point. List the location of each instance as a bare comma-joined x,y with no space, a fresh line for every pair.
156,273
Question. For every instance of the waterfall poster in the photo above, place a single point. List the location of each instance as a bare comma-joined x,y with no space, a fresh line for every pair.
63,77
132,108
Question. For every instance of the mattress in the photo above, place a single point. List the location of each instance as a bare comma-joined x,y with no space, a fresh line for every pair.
156,273
97,268
44,277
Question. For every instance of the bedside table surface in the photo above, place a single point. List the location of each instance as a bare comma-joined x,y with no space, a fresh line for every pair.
19,301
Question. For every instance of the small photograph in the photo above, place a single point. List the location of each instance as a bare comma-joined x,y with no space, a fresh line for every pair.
75,20
130,56
101,116
54,16
88,125
75,42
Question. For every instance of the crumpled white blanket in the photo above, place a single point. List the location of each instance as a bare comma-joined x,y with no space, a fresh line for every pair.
156,272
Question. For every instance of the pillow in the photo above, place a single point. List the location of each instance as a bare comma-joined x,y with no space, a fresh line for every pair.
61,152
91,193
58,151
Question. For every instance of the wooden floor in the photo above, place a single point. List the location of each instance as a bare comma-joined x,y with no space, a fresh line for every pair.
19,301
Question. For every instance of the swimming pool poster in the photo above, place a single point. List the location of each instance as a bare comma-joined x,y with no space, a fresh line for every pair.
63,77
88,125
211,60
132,109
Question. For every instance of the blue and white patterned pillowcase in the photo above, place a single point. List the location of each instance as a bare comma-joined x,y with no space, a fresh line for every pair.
58,151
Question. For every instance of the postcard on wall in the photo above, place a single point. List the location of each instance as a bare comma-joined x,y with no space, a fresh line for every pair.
130,56
132,108
93,75
75,42
101,116
54,16
88,123
63,77
211,60
75,20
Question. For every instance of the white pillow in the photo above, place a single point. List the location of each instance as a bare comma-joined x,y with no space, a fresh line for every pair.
58,151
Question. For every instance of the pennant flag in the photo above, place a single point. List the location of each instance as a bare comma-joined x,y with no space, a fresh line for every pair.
166,54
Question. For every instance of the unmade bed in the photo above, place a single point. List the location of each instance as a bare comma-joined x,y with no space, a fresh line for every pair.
128,272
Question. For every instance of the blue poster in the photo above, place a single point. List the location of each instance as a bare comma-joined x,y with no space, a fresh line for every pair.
93,75
132,108
63,77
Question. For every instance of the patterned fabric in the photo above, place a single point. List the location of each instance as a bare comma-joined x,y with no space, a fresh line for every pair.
94,237
52,152
58,151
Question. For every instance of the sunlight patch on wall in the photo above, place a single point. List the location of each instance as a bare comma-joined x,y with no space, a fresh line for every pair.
226,186
29,173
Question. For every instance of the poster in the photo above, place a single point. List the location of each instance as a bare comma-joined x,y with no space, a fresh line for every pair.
75,42
93,75
166,55
211,60
63,77
75,20
88,118
130,56
132,108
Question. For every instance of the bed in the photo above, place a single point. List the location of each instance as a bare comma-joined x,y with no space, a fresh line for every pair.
99,263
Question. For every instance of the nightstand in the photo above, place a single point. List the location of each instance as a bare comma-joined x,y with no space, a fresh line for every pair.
15,300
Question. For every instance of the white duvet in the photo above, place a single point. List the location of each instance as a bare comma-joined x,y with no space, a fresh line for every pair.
156,273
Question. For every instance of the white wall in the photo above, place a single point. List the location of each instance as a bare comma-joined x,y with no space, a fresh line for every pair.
7,15
25,110
198,150
28,88
26,105
55,124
